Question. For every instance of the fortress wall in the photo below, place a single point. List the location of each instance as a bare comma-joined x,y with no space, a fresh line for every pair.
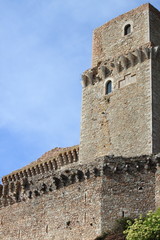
109,40
62,206
79,202
129,193
70,214
119,123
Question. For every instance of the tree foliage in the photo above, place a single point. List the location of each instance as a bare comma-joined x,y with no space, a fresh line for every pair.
144,228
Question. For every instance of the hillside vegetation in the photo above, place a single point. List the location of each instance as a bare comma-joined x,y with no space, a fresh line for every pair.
143,228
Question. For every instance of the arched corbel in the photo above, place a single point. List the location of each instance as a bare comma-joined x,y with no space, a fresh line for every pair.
90,76
139,55
124,62
146,52
103,71
37,169
55,164
131,58
117,65
84,80
65,157
75,155
70,157
61,160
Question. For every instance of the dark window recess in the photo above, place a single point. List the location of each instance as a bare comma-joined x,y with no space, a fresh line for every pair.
108,87
127,29
122,213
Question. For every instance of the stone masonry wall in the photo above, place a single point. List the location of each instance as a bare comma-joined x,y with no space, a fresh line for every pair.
119,123
129,191
109,40
59,205
79,202
126,121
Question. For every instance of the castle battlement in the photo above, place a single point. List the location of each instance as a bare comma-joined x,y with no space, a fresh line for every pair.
33,186
50,161
113,66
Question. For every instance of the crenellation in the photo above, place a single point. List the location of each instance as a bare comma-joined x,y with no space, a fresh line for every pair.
122,63
50,165
105,166
55,164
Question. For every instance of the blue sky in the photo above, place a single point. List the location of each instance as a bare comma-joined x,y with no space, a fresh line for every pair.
44,48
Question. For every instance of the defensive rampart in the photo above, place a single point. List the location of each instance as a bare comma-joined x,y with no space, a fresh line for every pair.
78,202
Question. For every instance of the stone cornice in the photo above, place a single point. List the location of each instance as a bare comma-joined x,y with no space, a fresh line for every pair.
27,188
122,63
52,162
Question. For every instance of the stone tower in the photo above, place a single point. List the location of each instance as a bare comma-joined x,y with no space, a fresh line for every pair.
121,92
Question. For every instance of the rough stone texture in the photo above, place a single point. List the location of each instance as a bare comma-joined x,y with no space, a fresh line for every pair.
52,160
126,121
71,212
118,123
109,40
64,196
79,202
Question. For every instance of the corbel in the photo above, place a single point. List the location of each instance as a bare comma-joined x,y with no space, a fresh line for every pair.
90,76
84,80
124,62
117,65
131,58
139,55
103,71
146,52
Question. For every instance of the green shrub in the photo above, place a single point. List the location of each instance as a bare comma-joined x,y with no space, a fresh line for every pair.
144,228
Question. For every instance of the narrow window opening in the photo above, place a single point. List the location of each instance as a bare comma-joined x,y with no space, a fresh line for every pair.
122,213
127,29
108,87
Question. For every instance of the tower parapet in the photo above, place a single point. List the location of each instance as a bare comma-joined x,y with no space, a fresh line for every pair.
109,67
